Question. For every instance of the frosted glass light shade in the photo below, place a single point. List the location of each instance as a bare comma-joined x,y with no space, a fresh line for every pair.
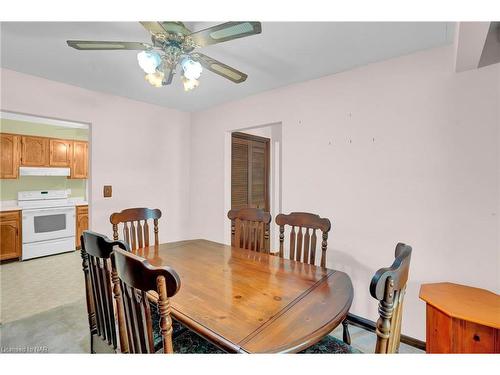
192,69
149,61
189,84
155,79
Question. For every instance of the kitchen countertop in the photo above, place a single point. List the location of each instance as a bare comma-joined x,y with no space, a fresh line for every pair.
9,206
78,201
12,205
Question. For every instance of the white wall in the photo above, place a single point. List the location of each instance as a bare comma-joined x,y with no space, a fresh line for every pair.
402,150
142,150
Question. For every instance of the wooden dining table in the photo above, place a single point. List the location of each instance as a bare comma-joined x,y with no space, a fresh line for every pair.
249,302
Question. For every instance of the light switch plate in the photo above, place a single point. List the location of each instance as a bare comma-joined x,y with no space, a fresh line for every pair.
107,191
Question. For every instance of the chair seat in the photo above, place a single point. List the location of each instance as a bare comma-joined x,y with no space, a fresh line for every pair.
330,345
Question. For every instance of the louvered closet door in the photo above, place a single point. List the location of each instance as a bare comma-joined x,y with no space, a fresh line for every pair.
249,172
257,175
239,173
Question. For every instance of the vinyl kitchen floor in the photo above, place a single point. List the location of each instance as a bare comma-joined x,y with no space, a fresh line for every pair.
36,285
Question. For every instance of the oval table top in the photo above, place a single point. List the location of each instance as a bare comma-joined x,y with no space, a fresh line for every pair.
244,301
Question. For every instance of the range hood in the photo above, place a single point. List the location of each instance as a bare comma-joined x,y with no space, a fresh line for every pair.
42,171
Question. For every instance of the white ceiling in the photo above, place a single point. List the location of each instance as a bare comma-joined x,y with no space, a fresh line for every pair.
285,53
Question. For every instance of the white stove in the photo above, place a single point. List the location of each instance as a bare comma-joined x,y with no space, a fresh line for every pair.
48,222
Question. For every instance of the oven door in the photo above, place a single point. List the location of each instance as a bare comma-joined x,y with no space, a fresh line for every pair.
43,224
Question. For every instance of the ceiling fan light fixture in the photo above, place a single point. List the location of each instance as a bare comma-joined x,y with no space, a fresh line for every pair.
189,84
173,44
155,79
192,69
149,61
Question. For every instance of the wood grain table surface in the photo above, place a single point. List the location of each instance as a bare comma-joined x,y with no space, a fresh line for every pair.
244,301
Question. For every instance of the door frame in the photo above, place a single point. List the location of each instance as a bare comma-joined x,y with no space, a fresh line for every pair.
267,177
276,163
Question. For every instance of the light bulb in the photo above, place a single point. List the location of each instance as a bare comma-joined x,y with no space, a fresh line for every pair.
189,84
192,69
155,79
149,60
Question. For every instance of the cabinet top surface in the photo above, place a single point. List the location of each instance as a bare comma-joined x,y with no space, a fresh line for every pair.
54,138
464,302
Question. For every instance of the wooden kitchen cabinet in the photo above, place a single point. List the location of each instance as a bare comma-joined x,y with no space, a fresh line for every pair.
35,151
9,155
60,152
461,319
79,162
82,222
10,235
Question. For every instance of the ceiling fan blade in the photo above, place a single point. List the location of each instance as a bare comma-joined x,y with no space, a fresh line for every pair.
175,27
153,27
165,27
226,31
219,68
106,45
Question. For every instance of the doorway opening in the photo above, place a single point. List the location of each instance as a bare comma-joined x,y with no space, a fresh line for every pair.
253,173
45,172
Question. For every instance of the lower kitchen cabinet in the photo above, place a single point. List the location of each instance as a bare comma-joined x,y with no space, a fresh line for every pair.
10,235
82,222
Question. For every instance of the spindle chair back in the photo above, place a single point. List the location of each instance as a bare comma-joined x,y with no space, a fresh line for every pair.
136,228
303,237
250,229
388,286
137,277
102,289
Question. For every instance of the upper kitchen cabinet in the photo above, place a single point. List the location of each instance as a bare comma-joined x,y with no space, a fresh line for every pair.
60,152
34,151
9,155
79,162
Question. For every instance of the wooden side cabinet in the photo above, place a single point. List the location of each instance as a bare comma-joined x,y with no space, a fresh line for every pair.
10,235
60,152
35,151
82,222
79,163
461,319
9,155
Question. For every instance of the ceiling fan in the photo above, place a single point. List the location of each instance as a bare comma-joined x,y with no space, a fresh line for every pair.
172,44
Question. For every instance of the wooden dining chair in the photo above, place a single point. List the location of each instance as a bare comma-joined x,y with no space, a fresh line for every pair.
135,233
250,229
388,286
137,276
101,285
303,237
136,229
